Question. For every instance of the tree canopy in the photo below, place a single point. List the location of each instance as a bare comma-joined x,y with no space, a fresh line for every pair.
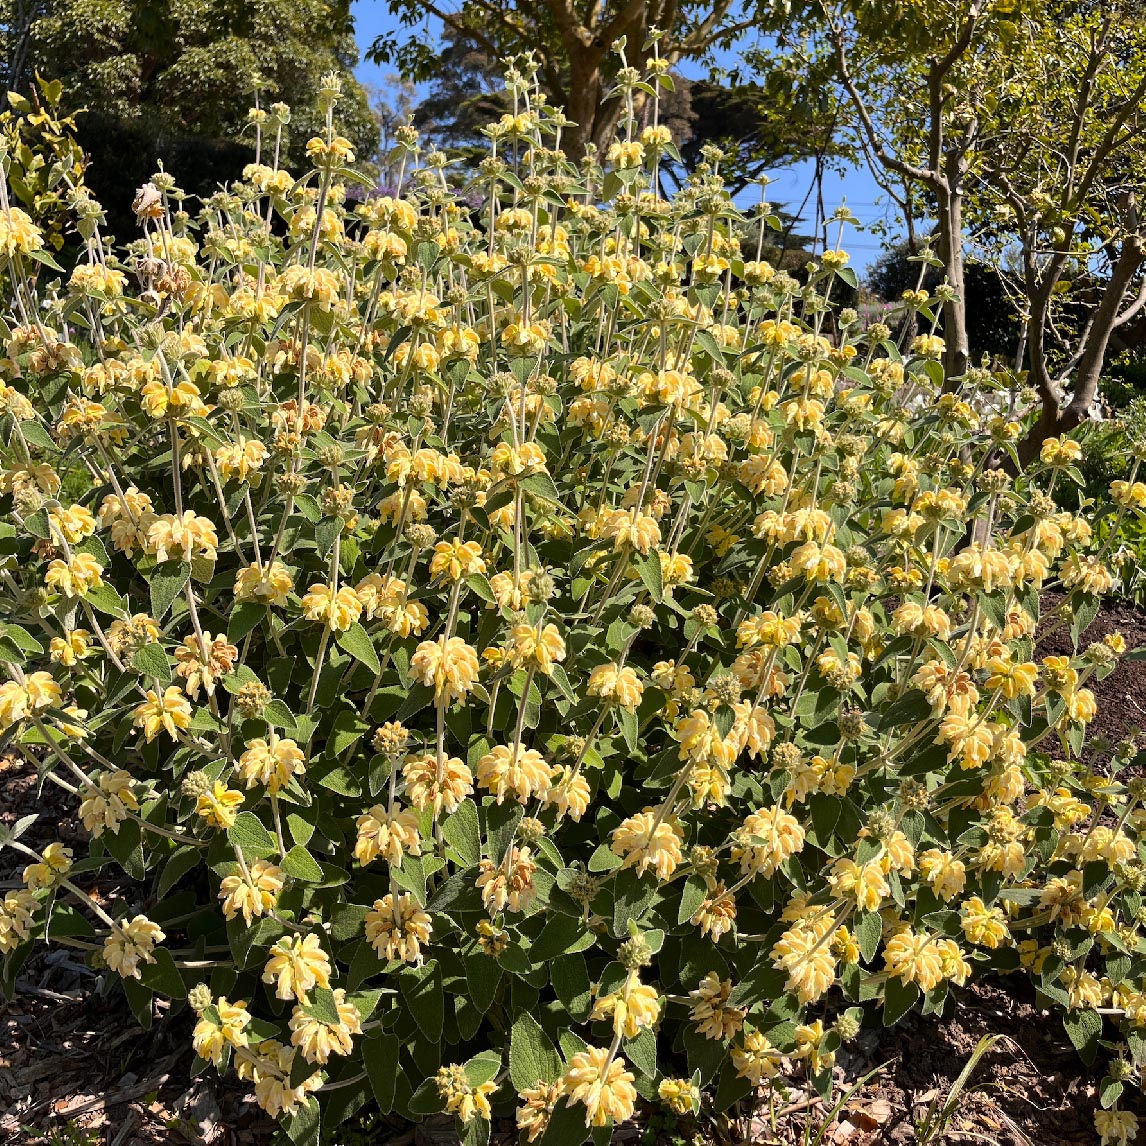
177,78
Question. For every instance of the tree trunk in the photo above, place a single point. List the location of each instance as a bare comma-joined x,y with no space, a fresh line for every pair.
1054,417
957,352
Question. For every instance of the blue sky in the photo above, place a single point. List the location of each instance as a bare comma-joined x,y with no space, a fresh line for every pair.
789,187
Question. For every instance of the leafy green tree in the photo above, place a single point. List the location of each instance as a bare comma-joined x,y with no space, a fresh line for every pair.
571,41
178,77
1018,130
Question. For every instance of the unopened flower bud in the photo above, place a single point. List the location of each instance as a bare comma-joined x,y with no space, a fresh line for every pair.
634,953
199,997
252,700
195,784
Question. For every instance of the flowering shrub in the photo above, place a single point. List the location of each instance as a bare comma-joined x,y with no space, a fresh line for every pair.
538,655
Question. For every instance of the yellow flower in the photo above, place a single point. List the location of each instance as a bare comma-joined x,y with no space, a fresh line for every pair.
539,1102
210,1039
220,806
711,1011
297,965
251,897
451,666
72,647
269,585
18,234
338,610
680,1095
643,843
601,1082
397,928
569,793
170,713
392,837
462,1097
635,1006
865,883
1116,1127
809,1044
72,524
182,537
541,646
107,803
39,690
318,1040
755,1058
618,685
805,952
198,672
16,910
508,884
55,861
1127,495
270,1067
238,460
522,771
130,944
456,559
436,782
820,564
75,576
160,400
630,527
271,762
914,958
946,874
768,837
983,925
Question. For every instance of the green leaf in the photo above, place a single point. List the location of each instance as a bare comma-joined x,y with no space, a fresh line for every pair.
633,897
323,1007
566,1126
38,525
868,931
422,992
300,864
325,533
483,974
532,1055
245,616
691,897
462,832
649,568
1084,1028
358,644
180,862
162,975
151,661
899,998
304,1127
483,1067
105,599
541,485
167,583
630,729
500,825
251,837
